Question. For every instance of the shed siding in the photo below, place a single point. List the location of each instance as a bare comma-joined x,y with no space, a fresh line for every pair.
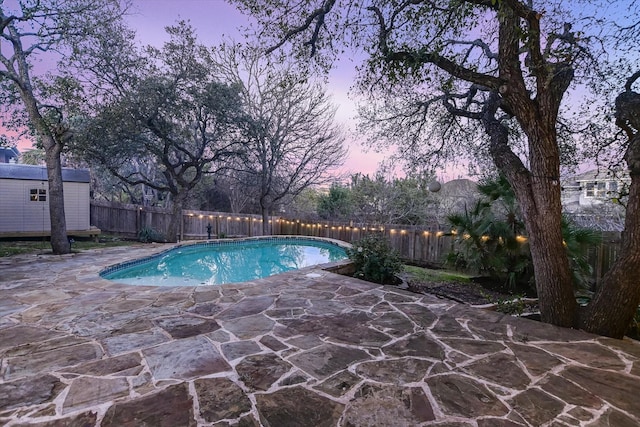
76,205
19,214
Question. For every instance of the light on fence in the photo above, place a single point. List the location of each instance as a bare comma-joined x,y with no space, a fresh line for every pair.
484,238
403,231
439,233
426,233
190,214
392,231
466,236
200,216
210,216
521,239
238,219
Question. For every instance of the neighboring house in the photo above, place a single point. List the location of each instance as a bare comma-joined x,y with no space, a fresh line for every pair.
592,199
24,196
9,154
592,189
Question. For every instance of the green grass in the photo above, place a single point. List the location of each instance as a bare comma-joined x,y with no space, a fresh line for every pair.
15,247
429,275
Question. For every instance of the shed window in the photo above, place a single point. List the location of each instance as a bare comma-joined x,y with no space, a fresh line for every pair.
38,195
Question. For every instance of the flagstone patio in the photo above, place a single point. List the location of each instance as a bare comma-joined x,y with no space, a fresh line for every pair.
308,348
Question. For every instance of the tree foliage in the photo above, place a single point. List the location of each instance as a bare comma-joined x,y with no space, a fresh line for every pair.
336,204
292,142
28,29
167,123
380,200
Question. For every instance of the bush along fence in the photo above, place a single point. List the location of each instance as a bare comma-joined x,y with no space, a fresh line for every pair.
418,244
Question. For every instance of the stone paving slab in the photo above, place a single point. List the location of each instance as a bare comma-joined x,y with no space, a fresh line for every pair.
306,348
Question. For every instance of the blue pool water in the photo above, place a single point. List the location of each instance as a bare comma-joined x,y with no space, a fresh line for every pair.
214,263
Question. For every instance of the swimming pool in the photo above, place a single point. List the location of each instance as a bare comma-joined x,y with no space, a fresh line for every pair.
227,261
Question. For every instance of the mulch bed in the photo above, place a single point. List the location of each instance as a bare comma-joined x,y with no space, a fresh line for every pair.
478,292
466,293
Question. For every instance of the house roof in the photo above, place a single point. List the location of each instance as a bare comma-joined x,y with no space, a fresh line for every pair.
39,173
597,175
10,151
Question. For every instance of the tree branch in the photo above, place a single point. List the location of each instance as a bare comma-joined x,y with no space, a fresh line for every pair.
318,16
422,56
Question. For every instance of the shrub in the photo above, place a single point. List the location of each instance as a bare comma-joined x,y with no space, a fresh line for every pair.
148,235
375,260
488,242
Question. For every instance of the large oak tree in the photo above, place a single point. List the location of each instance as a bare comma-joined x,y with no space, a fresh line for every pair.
28,30
161,118
292,142
505,65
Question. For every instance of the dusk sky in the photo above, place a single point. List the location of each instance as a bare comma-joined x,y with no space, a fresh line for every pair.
215,19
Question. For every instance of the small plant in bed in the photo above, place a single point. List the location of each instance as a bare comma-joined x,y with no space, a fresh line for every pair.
375,260
149,235
459,287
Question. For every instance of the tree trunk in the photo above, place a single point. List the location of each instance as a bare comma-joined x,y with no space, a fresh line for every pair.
175,223
616,300
538,193
59,239
266,226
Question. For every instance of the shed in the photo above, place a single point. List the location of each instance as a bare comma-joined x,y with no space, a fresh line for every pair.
24,201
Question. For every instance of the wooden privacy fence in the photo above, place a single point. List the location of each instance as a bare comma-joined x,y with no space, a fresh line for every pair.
129,220
420,244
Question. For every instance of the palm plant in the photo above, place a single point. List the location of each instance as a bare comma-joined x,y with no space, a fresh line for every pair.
490,239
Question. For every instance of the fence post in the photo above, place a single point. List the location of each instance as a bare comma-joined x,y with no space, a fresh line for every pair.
138,220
